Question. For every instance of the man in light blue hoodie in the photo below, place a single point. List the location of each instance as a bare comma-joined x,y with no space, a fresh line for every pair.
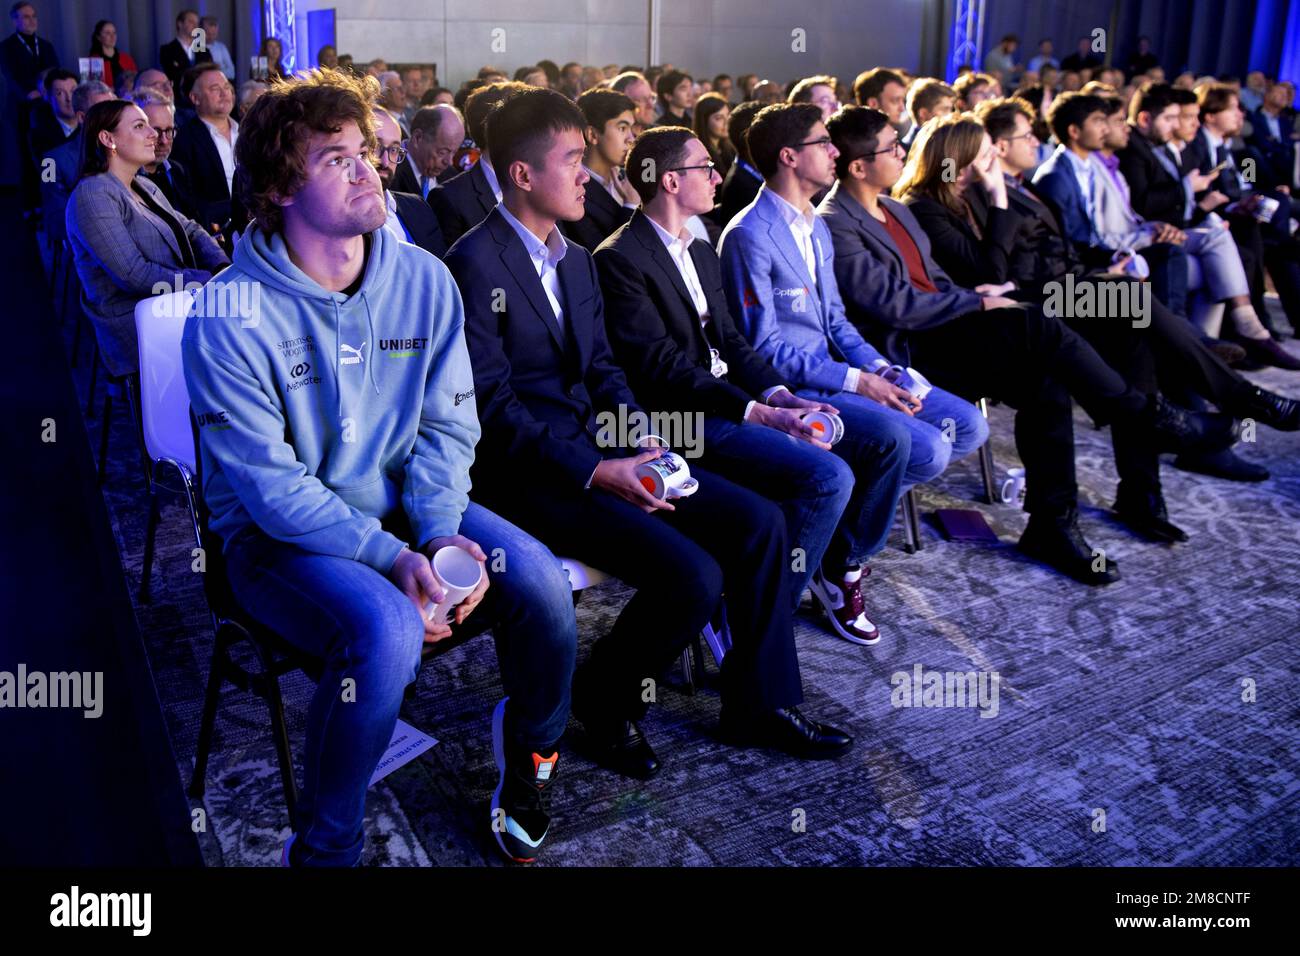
330,379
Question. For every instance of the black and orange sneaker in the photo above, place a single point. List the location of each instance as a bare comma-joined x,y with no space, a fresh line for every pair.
521,803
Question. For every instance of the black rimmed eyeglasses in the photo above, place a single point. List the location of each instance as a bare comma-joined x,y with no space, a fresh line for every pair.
824,142
710,166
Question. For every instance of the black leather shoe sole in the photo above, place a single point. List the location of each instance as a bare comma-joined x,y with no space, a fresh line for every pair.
1072,566
1152,528
830,745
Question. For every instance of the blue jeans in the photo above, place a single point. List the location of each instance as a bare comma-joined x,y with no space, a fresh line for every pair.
367,632
811,486
947,428
877,449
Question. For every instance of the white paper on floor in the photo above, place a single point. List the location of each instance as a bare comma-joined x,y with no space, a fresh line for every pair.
407,744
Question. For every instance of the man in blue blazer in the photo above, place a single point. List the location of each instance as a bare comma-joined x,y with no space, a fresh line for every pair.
777,260
544,379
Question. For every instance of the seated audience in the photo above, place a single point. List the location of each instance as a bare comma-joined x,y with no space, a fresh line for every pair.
982,344
205,144
777,262
273,52
436,135
409,217
164,172
1083,58
249,91
883,90
126,238
972,89
712,116
463,201
56,190
1043,57
635,87
672,333
927,99
53,120
328,521
676,91
542,371
611,197
819,91
742,181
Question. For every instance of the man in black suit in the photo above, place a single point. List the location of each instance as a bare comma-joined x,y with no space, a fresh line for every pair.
436,134
164,172
743,181
24,55
611,117
409,216
673,334
53,120
543,370
188,49
465,200
205,144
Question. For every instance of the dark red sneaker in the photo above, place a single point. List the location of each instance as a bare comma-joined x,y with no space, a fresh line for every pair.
842,600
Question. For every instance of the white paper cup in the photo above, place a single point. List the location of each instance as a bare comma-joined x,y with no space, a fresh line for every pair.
826,426
458,574
667,477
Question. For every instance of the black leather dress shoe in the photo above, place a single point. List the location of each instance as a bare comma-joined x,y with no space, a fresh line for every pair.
1269,352
1224,464
785,729
622,748
1174,428
1146,514
1268,408
1057,542
1231,353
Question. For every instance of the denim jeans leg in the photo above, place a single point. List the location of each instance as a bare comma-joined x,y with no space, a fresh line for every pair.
529,606
811,486
369,636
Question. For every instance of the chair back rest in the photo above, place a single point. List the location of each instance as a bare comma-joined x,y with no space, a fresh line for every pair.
164,396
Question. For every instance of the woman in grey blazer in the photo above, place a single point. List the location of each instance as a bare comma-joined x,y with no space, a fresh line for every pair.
128,243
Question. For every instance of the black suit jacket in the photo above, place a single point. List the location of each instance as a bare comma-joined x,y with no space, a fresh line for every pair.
970,259
175,185
1156,193
195,151
1277,156
738,191
1199,155
656,333
538,386
603,215
20,67
405,181
1042,252
462,203
420,222
173,61
46,133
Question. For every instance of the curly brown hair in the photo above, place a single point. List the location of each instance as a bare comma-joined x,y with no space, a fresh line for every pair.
271,153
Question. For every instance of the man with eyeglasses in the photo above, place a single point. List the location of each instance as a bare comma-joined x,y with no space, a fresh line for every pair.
164,172
409,217
776,258
436,134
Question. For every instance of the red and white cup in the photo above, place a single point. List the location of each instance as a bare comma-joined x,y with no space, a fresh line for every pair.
826,426
667,477
458,573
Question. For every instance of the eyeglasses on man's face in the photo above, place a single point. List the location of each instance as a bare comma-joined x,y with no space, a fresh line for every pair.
824,142
165,132
394,154
710,166
895,147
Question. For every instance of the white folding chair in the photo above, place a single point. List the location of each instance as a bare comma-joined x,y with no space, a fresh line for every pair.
718,638
164,409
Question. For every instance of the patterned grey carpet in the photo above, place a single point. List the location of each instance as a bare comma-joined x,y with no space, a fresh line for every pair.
1120,708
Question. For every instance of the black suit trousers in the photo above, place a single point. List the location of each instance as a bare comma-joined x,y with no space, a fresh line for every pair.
724,539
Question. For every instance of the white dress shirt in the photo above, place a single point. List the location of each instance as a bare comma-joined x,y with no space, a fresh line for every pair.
226,150
679,250
546,257
801,228
1220,153
394,225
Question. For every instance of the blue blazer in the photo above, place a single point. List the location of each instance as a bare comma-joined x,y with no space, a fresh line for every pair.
796,324
1054,181
538,387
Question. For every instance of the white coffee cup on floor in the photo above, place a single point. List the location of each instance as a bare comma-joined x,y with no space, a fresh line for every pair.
1013,486
458,573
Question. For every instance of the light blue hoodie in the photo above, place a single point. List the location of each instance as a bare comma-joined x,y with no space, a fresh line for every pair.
320,413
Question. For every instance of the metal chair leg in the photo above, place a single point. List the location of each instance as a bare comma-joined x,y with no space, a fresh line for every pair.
688,671
150,534
270,692
911,524
103,431
94,377
987,469
211,698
